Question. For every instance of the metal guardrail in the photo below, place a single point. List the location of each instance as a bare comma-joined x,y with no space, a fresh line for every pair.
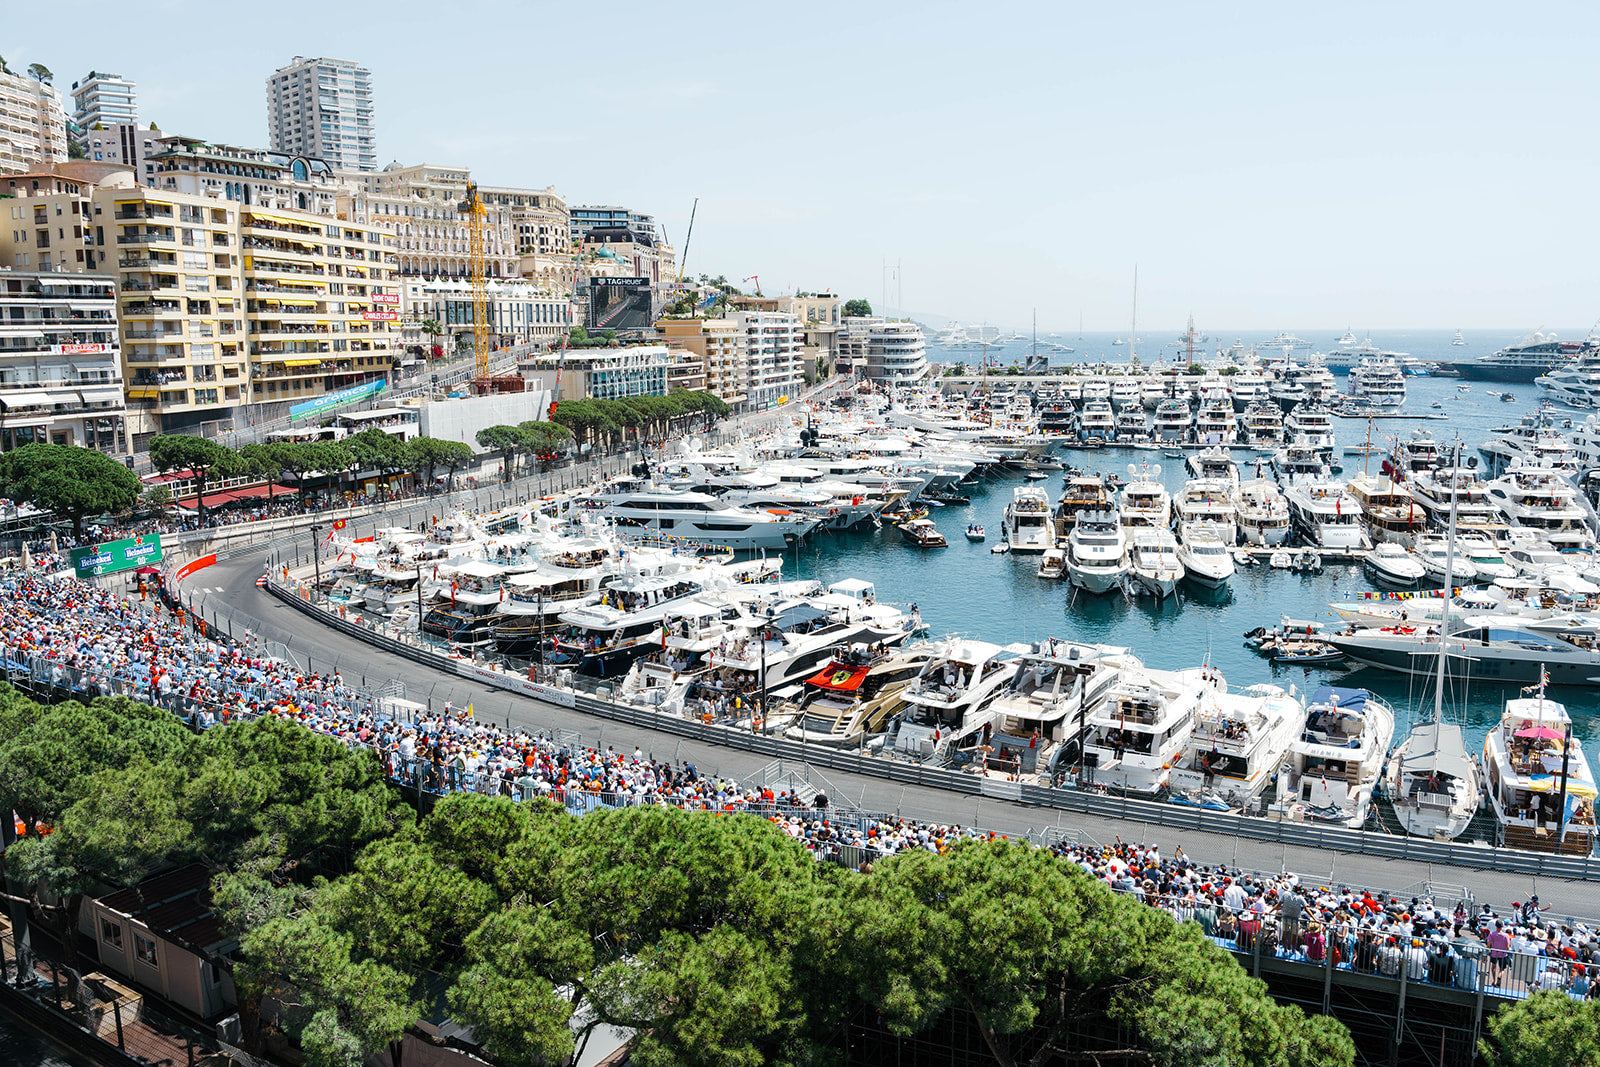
1479,857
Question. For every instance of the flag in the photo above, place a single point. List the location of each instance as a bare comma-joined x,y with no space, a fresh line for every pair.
339,524
469,709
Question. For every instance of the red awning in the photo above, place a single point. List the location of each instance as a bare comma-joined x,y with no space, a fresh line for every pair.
839,678
229,496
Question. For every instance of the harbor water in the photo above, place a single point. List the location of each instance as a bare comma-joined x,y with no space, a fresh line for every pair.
965,589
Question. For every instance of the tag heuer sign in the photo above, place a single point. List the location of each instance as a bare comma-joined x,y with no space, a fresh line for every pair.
114,556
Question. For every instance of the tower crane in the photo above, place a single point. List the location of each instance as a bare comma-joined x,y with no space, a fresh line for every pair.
477,218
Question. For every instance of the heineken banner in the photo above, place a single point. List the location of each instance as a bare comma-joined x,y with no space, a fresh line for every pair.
114,556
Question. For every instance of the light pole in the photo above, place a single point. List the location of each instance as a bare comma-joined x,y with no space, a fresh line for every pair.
316,560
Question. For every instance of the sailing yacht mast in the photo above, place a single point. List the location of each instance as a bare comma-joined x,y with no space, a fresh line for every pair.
1133,338
1449,589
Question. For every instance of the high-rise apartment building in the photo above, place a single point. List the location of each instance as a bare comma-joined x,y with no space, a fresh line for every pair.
126,143
105,100
322,108
33,128
771,355
60,375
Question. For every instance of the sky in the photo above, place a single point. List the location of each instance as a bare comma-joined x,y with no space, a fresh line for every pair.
1262,166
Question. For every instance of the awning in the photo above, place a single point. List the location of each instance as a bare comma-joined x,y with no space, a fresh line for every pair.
284,219
22,398
798,615
101,396
1549,783
143,394
292,301
839,679
229,496
66,396
300,362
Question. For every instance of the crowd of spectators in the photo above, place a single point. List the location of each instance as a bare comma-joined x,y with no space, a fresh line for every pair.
79,637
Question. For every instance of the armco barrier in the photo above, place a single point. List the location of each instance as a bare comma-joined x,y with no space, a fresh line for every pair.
1149,812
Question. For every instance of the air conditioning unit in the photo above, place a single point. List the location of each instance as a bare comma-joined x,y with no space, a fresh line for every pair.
228,1030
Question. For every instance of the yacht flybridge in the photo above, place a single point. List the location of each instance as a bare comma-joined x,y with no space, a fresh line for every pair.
1333,766
1539,780
1238,741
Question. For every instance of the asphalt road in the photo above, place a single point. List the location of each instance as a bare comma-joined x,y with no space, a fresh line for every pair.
231,594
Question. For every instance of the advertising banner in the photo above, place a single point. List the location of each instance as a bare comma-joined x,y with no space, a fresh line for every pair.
114,556
517,684
380,316
332,400
386,298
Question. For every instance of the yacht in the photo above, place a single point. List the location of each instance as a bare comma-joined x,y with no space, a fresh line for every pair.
1083,492
1207,501
1095,388
1418,452
1152,391
1262,425
1536,354
1492,648
1458,339
853,696
1097,552
1053,564
1027,520
1132,425
1173,419
1393,565
1575,383
1247,389
699,517
1380,381
1238,742
1433,490
1125,392
1139,729
1153,559
1326,515
1041,714
1215,464
1433,552
1544,500
1144,500
1204,554
947,705
1487,558
1539,781
1533,441
1096,420
1288,393
604,637
1348,356
1310,424
534,602
1263,513
1535,560
1334,765
1391,513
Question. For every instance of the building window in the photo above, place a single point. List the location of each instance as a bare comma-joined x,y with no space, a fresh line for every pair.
111,933
145,951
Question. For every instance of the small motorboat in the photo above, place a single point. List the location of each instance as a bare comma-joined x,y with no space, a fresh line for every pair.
1173,453
1438,404
1054,563
1305,652
922,533
1280,561
1244,557
1306,562
1036,476
1507,398
1000,548
975,532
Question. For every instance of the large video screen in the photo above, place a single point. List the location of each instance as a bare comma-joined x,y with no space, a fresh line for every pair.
620,304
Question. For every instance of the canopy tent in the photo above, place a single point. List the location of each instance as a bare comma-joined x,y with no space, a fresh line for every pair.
839,679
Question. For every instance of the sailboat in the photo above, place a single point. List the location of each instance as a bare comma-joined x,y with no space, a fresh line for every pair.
1434,785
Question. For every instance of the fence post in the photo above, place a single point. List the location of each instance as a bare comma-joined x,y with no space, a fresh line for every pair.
116,1013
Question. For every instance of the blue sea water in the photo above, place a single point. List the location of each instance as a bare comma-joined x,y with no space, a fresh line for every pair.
965,589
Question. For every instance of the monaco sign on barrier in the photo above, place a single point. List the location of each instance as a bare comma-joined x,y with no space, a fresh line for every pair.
380,316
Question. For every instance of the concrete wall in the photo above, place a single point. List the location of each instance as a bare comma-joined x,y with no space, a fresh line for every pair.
460,420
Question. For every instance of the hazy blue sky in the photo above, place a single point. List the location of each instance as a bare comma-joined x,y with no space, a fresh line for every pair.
1369,165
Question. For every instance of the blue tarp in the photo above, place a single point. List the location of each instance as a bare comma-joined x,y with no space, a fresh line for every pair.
1346,699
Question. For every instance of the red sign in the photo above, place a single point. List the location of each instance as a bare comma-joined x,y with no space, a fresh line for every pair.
380,316
386,298
79,349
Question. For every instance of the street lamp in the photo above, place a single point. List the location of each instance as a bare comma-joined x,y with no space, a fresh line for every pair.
316,559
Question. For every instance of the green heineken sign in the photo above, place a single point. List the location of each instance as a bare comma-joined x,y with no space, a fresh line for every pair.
114,556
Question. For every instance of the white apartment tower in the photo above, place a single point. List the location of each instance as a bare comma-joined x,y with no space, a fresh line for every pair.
323,108
104,100
33,128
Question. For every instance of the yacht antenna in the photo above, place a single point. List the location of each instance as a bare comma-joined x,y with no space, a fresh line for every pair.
1366,452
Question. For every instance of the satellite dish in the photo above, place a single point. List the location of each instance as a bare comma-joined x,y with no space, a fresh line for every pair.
1472,461
1155,472
1132,468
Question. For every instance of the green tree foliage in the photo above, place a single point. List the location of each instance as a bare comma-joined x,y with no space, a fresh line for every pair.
72,482
264,461
429,454
40,72
207,460
1548,1029
376,450
857,308
546,439
508,441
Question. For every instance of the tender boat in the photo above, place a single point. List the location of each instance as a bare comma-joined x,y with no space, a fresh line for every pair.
1392,565
1053,563
975,532
922,533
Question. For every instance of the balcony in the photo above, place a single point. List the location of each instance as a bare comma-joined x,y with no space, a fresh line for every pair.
151,335
144,238
152,307
148,212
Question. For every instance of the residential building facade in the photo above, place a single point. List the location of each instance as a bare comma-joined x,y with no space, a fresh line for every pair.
602,373
322,108
101,99
420,205
888,351
771,354
60,365
249,176
50,222
33,127
126,143
519,312
717,343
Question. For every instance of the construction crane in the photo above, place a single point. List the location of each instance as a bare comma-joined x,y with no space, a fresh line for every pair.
477,218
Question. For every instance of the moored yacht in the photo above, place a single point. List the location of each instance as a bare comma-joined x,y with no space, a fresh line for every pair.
1380,381
1215,464
1263,513
1544,500
1238,742
1208,501
1138,730
1144,500
1040,715
1097,552
1027,520
699,517
854,695
1539,781
1262,425
1332,768
1206,557
1153,560
1310,424
1173,420
1390,512
947,704
1575,383
1326,516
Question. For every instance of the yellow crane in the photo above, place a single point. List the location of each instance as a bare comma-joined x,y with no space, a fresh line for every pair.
477,218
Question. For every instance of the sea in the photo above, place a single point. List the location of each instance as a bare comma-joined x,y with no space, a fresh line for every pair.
967,590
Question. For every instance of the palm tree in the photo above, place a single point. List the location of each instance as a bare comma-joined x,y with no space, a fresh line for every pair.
40,72
3,68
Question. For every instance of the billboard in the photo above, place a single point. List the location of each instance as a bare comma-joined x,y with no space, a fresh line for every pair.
114,556
620,304
380,316
343,396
